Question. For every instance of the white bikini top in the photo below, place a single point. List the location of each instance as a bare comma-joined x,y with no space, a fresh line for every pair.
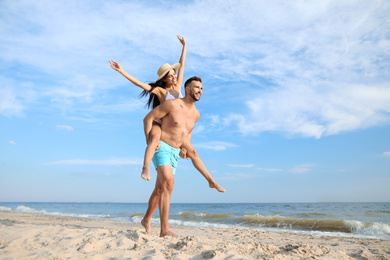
170,96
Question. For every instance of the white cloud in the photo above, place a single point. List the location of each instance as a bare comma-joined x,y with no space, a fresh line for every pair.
241,165
386,154
298,75
269,170
15,96
304,168
9,105
239,176
12,142
64,127
110,162
314,113
198,128
216,146
318,80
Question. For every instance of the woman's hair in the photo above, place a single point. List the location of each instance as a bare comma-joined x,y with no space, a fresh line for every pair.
153,99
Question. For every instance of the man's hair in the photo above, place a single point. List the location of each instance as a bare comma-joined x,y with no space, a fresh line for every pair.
194,78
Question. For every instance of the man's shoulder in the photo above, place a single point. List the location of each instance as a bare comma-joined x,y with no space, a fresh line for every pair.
172,103
175,102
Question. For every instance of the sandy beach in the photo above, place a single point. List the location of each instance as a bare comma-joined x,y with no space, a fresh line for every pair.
34,236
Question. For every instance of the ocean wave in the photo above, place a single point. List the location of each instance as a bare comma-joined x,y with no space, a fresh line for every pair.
311,223
376,228
377,213
305,215
24,209
179,222
5,209
136,214
197,224
332,225
196,215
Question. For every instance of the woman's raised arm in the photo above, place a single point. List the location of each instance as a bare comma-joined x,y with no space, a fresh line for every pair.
181,61
116,66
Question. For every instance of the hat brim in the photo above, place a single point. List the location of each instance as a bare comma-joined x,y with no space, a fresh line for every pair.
175,66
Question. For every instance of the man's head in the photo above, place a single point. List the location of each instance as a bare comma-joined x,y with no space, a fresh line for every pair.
193,88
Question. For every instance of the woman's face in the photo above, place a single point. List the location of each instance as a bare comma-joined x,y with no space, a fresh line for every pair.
171,78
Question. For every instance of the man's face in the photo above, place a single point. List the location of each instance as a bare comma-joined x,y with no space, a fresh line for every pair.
196,90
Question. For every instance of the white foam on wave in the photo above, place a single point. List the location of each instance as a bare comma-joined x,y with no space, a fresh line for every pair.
24,209
198,224
376,228
183,223
196,214
5,209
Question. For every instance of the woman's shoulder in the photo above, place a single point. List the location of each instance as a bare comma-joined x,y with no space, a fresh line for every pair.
159,91
178,88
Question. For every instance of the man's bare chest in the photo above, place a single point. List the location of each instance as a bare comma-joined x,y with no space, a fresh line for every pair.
183,118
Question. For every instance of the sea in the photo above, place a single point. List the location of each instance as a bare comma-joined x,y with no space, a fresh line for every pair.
361,220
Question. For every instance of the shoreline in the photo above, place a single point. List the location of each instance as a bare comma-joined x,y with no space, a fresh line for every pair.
36,236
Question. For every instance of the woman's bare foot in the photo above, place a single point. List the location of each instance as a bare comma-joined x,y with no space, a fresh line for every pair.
146,226
216,186
145,173
169,233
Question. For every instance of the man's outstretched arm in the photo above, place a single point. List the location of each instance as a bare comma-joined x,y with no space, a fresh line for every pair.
198,164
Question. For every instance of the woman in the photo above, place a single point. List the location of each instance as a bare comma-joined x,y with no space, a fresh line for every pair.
166,87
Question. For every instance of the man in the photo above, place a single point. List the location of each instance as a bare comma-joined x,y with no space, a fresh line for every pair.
178,119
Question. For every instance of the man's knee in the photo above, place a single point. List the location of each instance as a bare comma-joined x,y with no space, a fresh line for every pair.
167,179
168,184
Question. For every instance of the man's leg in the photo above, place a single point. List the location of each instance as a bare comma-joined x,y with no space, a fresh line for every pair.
166,179
152,206
198,164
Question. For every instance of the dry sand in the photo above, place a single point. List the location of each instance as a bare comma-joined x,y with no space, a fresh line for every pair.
31,236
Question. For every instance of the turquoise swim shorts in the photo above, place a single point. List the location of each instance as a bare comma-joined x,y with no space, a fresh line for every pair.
166,155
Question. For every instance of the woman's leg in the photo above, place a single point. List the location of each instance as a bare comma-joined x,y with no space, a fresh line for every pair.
154,138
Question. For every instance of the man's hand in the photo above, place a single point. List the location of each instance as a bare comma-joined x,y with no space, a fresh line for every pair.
183,153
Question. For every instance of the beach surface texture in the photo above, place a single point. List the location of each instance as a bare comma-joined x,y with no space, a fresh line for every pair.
36,236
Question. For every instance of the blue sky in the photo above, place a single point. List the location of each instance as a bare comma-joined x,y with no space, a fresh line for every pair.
295,108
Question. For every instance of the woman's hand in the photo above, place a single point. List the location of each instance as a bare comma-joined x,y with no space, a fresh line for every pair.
115,65
181,39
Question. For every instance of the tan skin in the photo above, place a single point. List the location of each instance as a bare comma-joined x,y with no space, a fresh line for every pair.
173,83
179,117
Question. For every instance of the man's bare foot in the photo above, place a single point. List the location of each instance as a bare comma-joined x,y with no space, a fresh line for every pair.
216,186
146,226
169,233
145,173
